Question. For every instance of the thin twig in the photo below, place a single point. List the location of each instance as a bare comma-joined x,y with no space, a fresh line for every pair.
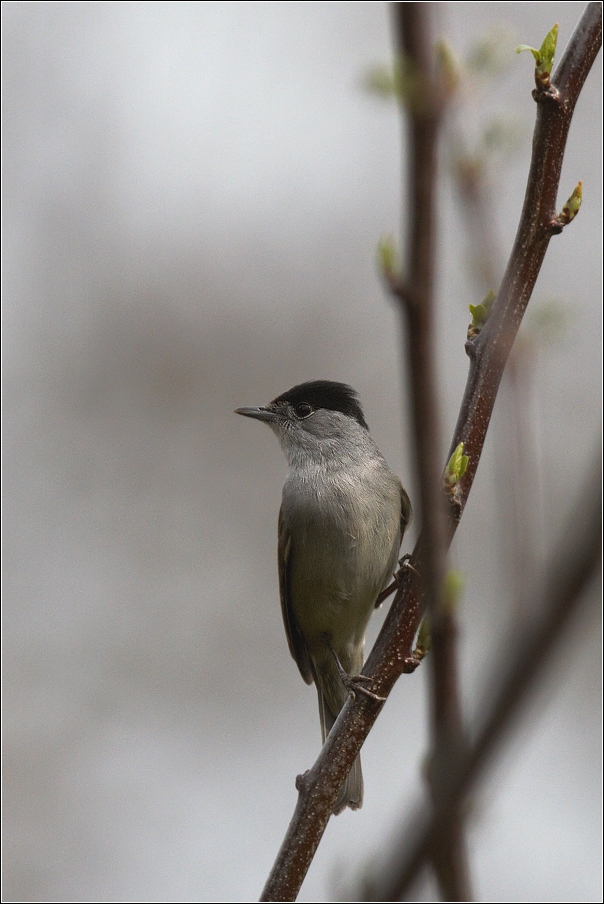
489,351
518,492
392,653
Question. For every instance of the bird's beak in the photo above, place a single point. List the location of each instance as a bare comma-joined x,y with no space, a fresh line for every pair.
261,414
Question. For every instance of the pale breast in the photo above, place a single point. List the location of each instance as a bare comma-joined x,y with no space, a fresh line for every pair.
345,546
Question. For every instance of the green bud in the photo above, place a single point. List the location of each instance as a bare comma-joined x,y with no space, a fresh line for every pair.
387,256
396,81
544,57
453,589
480,312
381,80
424,639
547,51
479,315
456,466
448,66
533,50
571,208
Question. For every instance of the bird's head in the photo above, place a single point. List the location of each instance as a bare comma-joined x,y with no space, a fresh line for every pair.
313,418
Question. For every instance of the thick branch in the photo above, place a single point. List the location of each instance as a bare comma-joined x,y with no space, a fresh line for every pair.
392,652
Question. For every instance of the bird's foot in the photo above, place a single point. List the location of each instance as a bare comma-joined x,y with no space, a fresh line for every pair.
352,683
405,565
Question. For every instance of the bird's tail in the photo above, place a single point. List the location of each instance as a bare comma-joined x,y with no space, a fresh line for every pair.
351,792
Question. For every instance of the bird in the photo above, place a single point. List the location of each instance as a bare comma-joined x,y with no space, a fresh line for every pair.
341,523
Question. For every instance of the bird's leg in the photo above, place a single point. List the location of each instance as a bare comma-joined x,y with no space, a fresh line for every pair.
405,565
386,593
352,683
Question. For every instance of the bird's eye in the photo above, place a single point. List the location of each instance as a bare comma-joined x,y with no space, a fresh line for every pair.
304,410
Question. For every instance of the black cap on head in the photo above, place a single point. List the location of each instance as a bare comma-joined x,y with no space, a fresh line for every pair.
325,394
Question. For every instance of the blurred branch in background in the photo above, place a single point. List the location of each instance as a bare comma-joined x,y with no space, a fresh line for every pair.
488,349
424,98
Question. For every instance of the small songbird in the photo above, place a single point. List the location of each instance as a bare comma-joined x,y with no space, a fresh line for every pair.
342,520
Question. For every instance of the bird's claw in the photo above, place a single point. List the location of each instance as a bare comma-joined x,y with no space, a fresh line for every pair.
405,564
354,685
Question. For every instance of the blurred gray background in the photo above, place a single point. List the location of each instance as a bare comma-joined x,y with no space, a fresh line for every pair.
193,194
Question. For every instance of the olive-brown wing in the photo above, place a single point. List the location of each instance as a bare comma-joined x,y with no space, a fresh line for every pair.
295,640
406,512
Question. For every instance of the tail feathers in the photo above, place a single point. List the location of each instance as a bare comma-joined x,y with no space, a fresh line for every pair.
351,792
